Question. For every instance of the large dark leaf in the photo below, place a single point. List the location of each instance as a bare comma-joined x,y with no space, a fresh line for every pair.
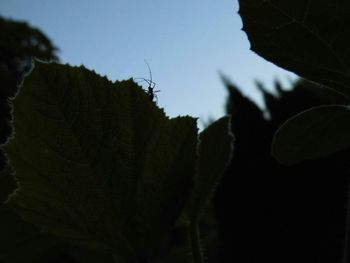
314,133
310,38
98,163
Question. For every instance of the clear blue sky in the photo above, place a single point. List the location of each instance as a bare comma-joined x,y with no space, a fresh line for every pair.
186,42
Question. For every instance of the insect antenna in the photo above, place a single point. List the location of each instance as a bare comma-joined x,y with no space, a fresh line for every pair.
149,70
151,84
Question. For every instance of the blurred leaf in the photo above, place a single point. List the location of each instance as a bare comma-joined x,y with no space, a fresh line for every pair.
310,38
98,163
215,151
314,133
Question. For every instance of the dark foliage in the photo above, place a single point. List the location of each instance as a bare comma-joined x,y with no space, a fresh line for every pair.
19,44
272,213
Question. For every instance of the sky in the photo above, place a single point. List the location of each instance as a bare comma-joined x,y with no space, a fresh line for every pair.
187,44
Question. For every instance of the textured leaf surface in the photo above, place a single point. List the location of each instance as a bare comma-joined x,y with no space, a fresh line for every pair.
21,242
215,151
7,183
314,133
97,161
310,38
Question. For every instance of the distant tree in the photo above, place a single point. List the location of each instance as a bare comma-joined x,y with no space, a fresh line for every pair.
19,44
268,212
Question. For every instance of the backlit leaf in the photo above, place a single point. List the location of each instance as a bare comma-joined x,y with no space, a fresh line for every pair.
215,152
98,163
314,133
310,38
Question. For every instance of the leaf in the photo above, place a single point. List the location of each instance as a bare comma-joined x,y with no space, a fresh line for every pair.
7,183
97,161
215,152
310,38
167,180
21,242
314,133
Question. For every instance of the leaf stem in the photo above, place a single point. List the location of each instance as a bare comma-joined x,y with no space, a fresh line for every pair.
195,242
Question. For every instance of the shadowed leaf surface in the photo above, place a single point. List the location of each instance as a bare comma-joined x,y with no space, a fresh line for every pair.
21,241
314,133
215,150
7,183
20,43
310,38
97,162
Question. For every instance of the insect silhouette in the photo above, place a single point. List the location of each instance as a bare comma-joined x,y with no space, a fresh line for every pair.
151,85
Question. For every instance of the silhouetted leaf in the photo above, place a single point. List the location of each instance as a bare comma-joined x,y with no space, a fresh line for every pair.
7,183
215,150
168,170
22,242
97,162
310,38
314,133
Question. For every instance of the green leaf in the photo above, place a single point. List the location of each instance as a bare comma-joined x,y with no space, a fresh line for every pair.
215,151
21,242
168,172
310,38
314,133
7,183
98,163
